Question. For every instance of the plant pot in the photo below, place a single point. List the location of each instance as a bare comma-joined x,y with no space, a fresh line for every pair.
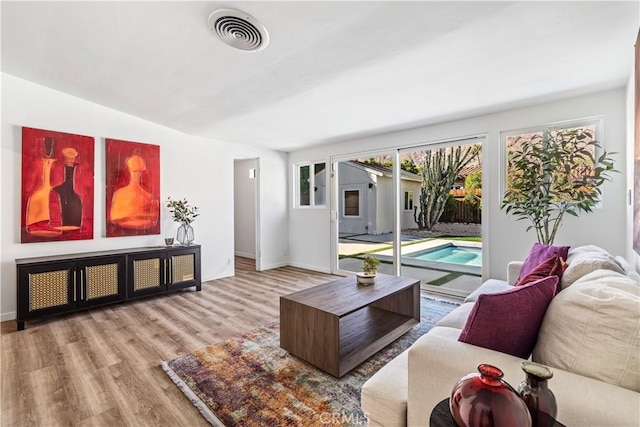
365,278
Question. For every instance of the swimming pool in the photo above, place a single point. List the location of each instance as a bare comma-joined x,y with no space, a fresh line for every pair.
451,253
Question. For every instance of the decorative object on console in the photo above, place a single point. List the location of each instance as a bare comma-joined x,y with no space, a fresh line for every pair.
133,188
508,321
369,270
57,186
536,394
168,241
540,188
484,399
184,214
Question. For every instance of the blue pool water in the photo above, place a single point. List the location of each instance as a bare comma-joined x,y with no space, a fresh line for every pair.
452,254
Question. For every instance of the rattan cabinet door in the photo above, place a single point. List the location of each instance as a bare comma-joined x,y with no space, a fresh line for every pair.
46,288
147,273
184,267
102,280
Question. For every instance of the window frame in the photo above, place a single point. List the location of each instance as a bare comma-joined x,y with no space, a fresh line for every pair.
596,122
408,197
344,203
312,184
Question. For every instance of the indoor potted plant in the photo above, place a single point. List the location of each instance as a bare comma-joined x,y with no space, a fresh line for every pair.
550,177
184,214
369,269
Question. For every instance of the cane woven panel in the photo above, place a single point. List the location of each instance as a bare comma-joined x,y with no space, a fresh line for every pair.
48,289
146,273
182,268
102,280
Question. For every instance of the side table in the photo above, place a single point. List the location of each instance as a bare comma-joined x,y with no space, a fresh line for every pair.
441,417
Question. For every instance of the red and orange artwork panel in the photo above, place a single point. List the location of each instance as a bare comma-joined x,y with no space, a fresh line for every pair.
57,186
133,188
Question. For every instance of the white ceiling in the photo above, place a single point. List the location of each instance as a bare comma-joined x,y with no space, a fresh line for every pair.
332,70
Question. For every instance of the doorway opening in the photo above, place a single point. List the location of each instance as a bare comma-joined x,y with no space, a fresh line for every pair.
245,208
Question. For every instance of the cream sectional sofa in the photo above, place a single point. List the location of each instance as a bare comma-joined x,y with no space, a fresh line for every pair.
590,337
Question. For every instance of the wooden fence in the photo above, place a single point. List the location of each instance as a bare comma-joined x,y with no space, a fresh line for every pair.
457,210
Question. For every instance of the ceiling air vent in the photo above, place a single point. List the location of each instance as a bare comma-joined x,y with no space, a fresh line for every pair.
239,29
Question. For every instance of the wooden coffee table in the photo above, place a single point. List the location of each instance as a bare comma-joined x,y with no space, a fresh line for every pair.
338,325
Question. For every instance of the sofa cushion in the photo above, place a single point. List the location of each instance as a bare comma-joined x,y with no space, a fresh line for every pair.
628,269
592,329
553,266
490,286
384,395
585,260
508,321
540,253
458,317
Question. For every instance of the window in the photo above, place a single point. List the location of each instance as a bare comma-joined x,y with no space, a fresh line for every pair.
352,203
311,184
408,200
585,131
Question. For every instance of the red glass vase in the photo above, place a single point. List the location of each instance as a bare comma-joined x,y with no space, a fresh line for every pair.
484,399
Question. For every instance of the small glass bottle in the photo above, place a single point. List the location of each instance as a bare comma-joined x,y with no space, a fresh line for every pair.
536,394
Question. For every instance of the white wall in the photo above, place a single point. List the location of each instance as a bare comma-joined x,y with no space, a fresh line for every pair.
244,208
354,177
384,205
504,238
407,217
196,168
632,256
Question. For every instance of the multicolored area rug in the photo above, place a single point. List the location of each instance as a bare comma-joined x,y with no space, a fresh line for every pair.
250,381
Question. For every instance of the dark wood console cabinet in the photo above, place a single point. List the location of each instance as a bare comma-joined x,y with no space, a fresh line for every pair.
64,283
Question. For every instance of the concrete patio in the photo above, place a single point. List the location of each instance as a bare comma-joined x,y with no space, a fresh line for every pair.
443,280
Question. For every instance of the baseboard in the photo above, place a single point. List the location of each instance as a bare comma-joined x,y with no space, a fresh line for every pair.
310,267
245,255
8,316
274,265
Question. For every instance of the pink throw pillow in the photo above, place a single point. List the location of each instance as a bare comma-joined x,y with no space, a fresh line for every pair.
553,266
509,321
539,253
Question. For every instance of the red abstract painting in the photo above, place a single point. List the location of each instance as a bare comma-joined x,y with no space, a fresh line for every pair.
133,188
57,186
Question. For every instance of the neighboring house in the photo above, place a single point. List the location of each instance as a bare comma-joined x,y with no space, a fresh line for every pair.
458,191
364,194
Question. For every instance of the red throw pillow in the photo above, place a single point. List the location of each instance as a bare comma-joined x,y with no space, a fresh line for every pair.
509,321
539,253
553,266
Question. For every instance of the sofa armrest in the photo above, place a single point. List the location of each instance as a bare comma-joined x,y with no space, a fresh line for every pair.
513,271
438,360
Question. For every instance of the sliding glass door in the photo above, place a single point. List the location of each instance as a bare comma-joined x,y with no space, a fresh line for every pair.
362,213
418,210
441,216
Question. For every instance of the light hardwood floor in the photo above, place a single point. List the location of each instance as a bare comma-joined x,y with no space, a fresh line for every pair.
102,367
